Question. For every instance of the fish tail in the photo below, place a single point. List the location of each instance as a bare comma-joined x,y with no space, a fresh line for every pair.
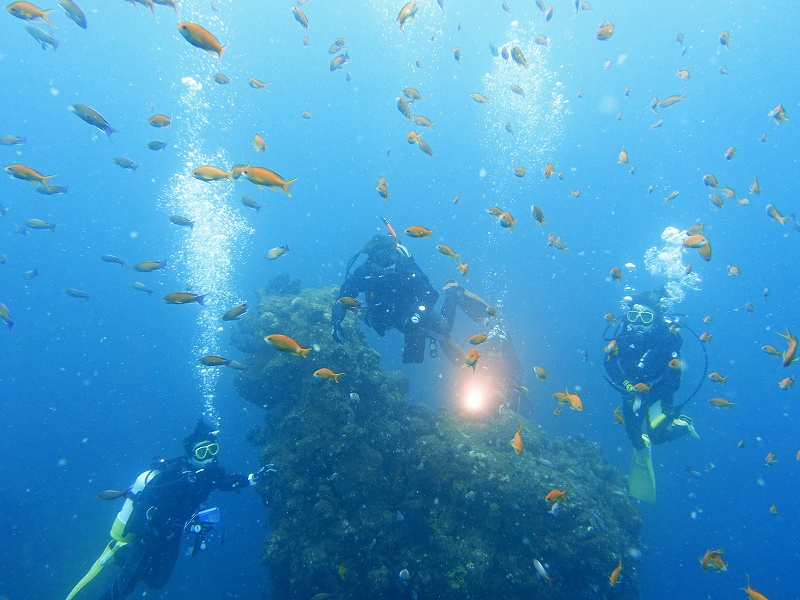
221,50
201,300
43,15
286,185
304,352
109,130
336,377
10,323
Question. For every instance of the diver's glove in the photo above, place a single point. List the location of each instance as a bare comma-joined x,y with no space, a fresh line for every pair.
336,333
254,478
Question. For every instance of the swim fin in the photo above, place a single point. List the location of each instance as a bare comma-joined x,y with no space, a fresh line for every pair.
108,554
642,482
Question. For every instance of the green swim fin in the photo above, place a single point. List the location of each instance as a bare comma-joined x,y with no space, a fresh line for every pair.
108,553
642,482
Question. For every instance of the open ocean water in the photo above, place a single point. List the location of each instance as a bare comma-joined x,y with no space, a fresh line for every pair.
92,390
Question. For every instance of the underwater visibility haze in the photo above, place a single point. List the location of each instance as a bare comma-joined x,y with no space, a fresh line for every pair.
626,147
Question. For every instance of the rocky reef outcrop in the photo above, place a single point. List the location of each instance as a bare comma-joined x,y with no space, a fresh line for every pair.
378,499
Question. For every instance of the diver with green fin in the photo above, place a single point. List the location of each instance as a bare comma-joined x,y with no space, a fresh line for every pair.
398,295
163,505
643,362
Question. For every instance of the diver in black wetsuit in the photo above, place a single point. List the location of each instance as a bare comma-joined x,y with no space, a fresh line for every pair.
162,505
647,352
398,295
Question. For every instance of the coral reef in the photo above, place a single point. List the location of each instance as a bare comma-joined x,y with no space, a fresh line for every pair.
378,499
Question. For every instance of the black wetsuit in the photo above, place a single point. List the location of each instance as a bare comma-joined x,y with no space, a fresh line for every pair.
392,297
160,512
644,358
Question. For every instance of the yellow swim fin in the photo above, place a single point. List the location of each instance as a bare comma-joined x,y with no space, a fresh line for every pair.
642,482
108,554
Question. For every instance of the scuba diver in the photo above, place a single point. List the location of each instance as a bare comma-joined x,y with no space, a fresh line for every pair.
161,506
643,362
400,296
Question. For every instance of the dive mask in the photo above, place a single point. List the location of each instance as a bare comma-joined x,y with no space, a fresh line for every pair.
206,451
640,314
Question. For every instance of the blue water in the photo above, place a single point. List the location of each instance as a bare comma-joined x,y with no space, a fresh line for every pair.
90,391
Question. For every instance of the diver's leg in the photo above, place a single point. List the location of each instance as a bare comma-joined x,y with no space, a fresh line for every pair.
157,569
473,306
633,421
132,557
438,329
448,311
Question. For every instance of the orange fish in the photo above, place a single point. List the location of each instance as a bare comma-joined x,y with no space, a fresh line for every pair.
478,338
200,37
706,337
516,441
623,157
556,495
751,593
675,364
618,415
725,39
538,215
286,344
462,267
605,32
717,378
471,358
786,384
610,318
771,350
773,509
448,251
616,274
418,231
611,349
549,169
695,241
733,271
327,374
708,557
260,176
540,373
730,153
710,180
789,353
613,579
721,403
774,214
740,444
770,459
641,388
557,412
574,401
507,220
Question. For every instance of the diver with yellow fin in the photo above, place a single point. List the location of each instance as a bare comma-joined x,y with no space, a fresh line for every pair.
160,508
398,295
643,362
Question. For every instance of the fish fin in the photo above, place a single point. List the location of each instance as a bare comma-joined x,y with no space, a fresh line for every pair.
201,300
304,352
109,130
221,50
287,184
